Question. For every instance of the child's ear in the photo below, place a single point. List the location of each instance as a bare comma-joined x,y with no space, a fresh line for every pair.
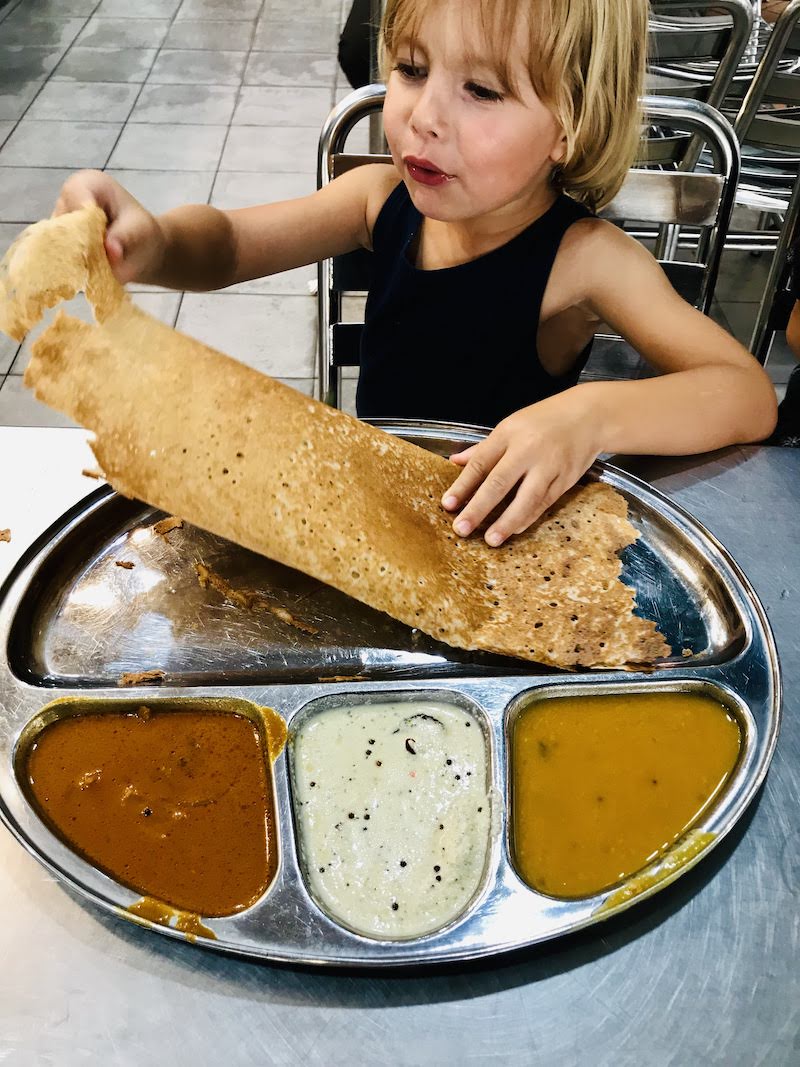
559,151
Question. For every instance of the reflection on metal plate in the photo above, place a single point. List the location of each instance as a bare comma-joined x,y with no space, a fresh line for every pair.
76,615
90,616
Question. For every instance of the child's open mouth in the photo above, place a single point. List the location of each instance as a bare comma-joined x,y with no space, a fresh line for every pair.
425,172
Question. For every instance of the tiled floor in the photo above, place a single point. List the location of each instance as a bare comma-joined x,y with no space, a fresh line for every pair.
215,101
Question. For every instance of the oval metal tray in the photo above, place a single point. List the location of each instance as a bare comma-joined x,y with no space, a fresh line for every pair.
71,622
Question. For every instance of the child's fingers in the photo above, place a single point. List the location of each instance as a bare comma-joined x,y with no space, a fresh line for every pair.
85,187
114,249
492,491
464,456
483,458
533,497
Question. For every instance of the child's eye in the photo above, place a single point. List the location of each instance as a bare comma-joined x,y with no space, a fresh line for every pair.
480,92
409,71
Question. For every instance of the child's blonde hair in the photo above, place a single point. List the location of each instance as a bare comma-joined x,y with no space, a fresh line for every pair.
586,63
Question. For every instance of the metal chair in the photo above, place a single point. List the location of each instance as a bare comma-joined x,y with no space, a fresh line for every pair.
768,127
768,121
777,301
765,111
651,197
693,55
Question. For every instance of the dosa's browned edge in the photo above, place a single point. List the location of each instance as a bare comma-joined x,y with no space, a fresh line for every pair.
199,435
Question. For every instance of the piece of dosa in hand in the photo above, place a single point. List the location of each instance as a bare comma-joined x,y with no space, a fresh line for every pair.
199,435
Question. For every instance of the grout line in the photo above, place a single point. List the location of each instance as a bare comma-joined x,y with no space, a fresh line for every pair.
143,83
236,101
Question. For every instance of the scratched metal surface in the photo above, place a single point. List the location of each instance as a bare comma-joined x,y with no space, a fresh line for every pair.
75,621
705,971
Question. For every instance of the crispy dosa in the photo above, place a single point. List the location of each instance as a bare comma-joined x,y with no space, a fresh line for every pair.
202,436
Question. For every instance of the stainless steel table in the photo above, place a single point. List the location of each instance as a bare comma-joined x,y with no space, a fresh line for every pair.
708,971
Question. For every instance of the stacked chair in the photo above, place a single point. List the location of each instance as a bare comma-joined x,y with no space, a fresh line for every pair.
768,127
758,89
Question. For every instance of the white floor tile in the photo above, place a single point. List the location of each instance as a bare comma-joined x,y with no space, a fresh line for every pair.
9,232
26,63
290,282
8,353
245,10
274,334
18,407
234,189
143,9
46,143
168,147
300,35
104,101
161,304
261,106
123,33
16,98
192,67
162,190
208,35
105,64
44,9
290,68
52,32
28,194
193,104
271,148
283,9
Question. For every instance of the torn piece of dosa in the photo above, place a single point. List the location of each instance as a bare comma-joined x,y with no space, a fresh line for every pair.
51,261
199,435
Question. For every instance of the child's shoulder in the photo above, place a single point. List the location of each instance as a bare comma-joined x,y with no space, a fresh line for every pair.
597,235
368,186
595,254
596,244
382,180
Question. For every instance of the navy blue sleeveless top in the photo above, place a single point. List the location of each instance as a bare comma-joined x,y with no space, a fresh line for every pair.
458,344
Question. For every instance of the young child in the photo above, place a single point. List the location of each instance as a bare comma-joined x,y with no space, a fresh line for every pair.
509,121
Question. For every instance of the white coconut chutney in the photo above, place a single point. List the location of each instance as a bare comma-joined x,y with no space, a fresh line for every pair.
393,814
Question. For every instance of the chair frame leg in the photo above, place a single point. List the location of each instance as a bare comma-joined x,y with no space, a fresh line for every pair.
763,333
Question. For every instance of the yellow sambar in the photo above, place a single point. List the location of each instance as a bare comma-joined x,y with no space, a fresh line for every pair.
603,785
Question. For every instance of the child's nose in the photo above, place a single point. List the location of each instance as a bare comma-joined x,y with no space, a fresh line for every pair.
428,116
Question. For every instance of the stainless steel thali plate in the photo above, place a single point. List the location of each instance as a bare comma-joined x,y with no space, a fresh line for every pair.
72,621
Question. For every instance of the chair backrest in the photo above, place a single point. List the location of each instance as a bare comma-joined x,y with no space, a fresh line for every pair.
770,137
694,51
776,301
647,196
759,123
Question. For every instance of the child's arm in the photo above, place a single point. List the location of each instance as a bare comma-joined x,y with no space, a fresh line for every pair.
793,331
711,393
200,247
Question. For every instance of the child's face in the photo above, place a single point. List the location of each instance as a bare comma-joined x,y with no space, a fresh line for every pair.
466,149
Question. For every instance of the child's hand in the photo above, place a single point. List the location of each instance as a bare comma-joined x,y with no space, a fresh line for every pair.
134,240
541,451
